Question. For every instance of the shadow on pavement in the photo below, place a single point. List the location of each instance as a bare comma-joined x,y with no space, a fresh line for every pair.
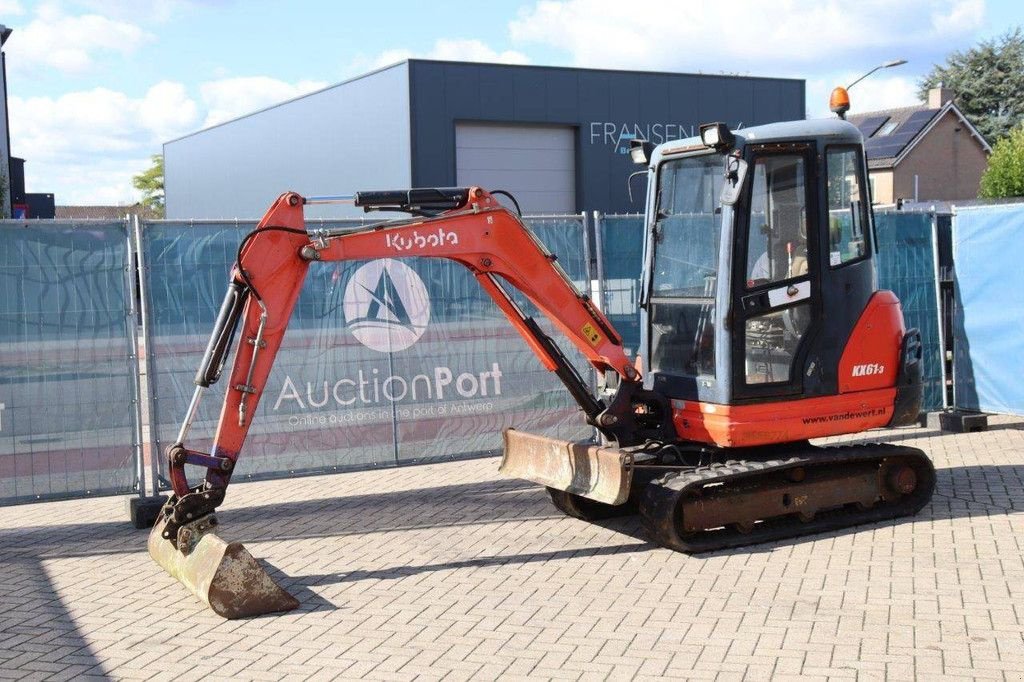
960,492
434,506
398,572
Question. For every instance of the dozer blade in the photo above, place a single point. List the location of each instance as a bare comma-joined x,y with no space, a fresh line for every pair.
598,473
223,575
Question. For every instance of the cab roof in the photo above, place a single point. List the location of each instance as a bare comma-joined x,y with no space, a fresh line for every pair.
831,130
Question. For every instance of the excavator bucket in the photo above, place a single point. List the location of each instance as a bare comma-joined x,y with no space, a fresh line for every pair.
223,575
593,471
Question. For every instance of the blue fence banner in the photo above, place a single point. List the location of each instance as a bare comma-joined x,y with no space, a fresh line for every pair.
906,266
988,320
620,240
435,373
68,397
386,362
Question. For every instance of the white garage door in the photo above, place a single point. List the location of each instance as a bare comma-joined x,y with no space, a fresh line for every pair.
535,163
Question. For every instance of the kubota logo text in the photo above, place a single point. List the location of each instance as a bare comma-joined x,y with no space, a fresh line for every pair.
417,241
868,370
386,305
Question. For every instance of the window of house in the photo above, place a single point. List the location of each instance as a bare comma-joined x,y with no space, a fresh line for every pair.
887,129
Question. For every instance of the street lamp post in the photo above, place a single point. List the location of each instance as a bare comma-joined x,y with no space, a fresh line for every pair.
883,65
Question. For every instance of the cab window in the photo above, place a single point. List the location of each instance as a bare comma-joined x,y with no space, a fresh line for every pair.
847,207
777,241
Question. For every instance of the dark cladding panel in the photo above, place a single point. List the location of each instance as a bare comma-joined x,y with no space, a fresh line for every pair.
458,83
729,100
563,98
594,93
606,108
768,100
654,97
497,97
684,97
530,96
429,140
627,94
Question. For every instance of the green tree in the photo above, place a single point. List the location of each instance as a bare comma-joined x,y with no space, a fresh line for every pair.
1004,176
988,80
151,183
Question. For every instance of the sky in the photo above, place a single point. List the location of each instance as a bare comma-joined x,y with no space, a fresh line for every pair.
97,86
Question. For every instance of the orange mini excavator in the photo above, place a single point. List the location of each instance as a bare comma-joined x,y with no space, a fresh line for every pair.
762,328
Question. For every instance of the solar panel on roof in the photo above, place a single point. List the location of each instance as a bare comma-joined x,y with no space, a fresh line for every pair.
870,125
893,144
917,121
884,149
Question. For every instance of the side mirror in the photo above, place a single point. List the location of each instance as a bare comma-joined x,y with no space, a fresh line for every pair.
629,183
735,173
641,151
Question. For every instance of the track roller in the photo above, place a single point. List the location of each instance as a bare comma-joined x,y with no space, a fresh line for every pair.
746,502
589,510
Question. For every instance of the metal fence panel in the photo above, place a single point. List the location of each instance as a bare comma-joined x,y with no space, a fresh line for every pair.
496,381
67,365
906,265
186,268
347,396
621,243
988,320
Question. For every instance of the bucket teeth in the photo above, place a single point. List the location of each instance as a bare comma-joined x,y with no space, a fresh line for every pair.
222,575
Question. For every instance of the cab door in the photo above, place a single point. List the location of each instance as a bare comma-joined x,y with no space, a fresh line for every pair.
776,293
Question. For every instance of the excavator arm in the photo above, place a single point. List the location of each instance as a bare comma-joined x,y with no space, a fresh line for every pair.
467,226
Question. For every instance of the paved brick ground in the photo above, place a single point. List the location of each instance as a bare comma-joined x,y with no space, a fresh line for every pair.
449,571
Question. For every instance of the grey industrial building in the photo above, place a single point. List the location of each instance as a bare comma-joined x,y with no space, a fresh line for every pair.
555,137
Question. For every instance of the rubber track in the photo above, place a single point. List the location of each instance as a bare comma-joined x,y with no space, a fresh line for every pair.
662,496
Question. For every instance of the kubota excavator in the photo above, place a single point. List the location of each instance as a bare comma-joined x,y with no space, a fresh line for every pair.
762,328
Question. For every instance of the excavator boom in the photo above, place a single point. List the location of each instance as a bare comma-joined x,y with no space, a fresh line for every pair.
467,226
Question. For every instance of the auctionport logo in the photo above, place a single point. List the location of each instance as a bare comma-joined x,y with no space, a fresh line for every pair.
386,306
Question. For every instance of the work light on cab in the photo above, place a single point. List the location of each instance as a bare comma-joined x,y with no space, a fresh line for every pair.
717,136
640,151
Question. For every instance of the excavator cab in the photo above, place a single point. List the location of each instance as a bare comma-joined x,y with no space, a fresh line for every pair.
756,262
758,265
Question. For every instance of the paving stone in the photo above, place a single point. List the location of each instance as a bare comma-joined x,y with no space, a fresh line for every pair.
470,576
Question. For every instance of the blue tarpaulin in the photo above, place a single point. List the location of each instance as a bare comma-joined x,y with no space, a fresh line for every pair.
988,322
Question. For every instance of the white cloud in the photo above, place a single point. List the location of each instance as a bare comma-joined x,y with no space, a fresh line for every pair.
86,145
99,120
87,181
230,98
143,11
11,7
963,13
463,50
750,37
56,40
